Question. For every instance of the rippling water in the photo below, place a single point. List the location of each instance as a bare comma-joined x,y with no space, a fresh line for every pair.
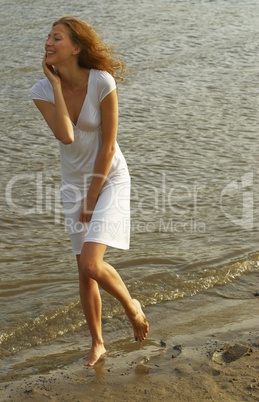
189,131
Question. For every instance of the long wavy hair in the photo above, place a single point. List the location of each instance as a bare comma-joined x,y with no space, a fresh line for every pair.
94,52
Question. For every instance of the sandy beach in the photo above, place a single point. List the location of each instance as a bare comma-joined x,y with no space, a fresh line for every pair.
193,354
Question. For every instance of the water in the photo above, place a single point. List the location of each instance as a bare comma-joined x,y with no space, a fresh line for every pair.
189,131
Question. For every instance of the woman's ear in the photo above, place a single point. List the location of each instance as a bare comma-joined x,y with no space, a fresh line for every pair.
76,50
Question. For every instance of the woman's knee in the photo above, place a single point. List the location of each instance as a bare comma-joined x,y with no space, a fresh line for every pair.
89,268
90,262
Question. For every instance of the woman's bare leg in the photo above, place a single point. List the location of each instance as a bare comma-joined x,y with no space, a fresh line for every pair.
92,266
92,308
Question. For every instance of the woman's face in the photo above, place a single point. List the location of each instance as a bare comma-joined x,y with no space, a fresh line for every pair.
59,47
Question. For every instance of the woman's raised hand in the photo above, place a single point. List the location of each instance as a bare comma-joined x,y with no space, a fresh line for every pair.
50,72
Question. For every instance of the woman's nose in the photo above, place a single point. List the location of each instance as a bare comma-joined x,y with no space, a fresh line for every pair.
48,42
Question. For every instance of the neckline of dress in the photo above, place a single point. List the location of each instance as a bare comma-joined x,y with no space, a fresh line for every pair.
86,96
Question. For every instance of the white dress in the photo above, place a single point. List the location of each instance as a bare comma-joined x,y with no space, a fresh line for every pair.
110,223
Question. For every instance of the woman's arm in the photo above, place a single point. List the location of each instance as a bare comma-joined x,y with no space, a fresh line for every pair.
57,117
109,111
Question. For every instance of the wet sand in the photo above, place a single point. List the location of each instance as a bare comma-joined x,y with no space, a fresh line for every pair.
195,352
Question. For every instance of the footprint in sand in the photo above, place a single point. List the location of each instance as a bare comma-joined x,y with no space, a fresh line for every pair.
230,353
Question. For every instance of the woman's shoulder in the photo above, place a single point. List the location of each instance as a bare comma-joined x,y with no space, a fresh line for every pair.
42,90
105,83
43,83
103,76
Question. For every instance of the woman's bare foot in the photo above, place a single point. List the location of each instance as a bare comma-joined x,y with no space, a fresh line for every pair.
139,322
94,355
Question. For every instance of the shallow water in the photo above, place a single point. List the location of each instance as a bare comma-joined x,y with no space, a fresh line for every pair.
189,131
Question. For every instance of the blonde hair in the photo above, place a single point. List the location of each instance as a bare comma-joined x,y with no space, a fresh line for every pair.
94,52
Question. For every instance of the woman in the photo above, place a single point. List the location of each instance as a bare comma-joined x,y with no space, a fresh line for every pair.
78,100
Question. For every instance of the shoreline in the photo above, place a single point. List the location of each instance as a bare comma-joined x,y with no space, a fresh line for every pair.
182,360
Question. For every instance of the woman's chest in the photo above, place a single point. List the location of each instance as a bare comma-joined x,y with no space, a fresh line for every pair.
74,103
84,108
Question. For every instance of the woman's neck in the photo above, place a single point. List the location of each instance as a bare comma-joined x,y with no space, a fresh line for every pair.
73,78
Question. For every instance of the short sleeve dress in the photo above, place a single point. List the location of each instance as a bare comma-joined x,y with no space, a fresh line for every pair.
110,223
